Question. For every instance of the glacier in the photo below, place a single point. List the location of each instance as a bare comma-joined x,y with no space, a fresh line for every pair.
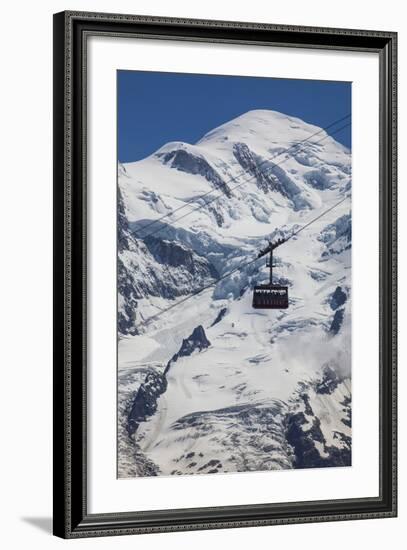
207,384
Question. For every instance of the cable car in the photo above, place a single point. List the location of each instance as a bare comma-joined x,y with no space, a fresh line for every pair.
270,296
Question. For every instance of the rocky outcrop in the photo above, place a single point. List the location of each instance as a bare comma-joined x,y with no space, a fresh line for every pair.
337,236
307,455
337,321
268,176
338,298
145,400
174,254
220,316
185,161
320,178
154,267
250,436
144,403
304,428
328,382
128,292
197,341
337,302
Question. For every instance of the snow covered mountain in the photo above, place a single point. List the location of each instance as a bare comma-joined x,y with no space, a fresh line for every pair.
206,383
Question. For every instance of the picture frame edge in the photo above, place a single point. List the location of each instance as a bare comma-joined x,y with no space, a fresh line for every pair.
70,508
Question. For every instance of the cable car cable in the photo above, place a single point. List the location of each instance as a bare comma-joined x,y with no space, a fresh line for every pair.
315,219
295,145
274,295
240,266
199,207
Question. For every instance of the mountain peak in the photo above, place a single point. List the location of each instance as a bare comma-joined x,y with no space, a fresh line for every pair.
262,125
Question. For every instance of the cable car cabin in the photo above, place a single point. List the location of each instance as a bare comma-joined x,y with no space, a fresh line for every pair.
270,297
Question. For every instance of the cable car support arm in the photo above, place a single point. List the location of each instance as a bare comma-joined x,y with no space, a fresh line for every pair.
269,249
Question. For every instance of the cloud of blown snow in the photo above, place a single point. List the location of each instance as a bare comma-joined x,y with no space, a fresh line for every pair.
315,349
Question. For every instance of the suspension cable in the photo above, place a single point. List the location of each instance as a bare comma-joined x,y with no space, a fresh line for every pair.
206,203
237,268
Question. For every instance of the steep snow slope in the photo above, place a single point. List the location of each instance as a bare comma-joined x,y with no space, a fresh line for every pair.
212,385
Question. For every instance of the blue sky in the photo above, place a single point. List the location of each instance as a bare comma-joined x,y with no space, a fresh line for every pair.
155,108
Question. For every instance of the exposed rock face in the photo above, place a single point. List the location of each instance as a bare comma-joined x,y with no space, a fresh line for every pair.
306,453
123,230
268,176
154,267
145,401
252,437
219,316
197,341
185,161
320,178
329,381
128,292
321,441
337,236
176,255
130,457
338,298
337,321
337,302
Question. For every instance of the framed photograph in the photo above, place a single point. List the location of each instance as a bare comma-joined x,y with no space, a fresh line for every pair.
225,274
